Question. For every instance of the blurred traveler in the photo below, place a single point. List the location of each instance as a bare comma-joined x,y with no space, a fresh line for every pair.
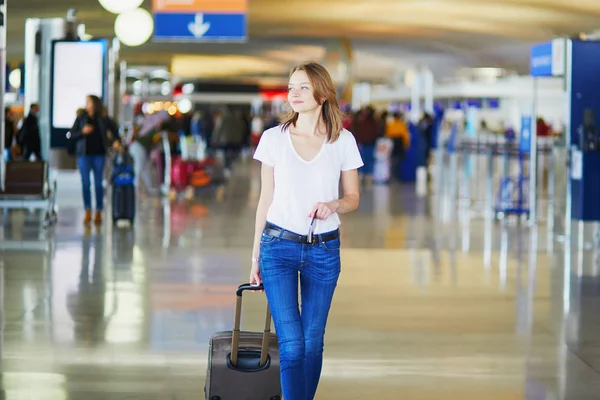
140,148
91,143
256,129
426,132
29,134
383,120
229,136
397,130
9,133
367,132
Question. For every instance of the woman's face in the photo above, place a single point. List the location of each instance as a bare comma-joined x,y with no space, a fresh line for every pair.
89,106
300,93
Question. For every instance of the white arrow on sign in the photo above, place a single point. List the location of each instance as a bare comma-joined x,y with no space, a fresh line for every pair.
199,27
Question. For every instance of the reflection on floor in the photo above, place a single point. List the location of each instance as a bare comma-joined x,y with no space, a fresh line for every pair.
424,310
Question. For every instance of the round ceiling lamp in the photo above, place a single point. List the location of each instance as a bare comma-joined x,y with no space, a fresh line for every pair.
120,6
185,106
14,78
134,28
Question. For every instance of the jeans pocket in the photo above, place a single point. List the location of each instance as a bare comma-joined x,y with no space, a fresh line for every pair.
267,239
331,245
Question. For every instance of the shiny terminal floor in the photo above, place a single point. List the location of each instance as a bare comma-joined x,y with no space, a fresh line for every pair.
423,309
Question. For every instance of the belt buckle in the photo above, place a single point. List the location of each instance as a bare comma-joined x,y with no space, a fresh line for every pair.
311,238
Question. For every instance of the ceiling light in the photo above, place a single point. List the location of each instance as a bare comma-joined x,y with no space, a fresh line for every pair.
185,106
410,77
165,88
14,78
120,6
134,28
188,88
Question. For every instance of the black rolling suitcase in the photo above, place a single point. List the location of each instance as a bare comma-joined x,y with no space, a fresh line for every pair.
123,189
243,365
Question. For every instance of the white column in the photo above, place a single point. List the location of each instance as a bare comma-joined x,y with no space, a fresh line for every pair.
122,91
427,78
416,93
533,159
32,64
256,106
112,92
361,95
413,80
2,86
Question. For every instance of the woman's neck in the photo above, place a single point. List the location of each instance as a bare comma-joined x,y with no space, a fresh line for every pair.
310,123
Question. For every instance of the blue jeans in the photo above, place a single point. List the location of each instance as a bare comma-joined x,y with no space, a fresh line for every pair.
300,333
94,164
367,153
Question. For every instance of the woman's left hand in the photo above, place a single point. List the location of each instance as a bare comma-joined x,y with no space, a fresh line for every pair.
324,210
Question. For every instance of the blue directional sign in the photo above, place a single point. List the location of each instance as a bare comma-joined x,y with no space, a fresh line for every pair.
548,59
541,60
525,141
199,27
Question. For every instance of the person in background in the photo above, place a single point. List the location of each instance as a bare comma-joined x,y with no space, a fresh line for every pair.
198,125
256,129
347,118
140,149
247,129
112,127
9,133
29,134
383,120
426,132
366,133
543,129
229,136
397,130
90,133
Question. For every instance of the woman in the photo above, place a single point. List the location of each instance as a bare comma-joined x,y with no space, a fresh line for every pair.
302,162
90,136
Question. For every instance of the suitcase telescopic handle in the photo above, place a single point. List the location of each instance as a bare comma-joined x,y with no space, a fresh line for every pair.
235,338
246,286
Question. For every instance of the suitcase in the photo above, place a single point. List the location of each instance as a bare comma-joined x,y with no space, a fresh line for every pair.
123,192
243,365
180,173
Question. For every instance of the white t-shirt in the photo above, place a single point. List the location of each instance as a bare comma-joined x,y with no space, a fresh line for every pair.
300,184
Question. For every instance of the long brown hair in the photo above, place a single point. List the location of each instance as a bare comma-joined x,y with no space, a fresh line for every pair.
324,93
97,105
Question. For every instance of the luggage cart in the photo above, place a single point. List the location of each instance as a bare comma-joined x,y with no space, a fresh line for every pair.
189,170
513,194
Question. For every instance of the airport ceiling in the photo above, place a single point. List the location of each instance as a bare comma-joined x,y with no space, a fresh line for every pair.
387,36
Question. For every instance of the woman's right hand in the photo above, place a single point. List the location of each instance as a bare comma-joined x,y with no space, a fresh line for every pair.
87,129
255,278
